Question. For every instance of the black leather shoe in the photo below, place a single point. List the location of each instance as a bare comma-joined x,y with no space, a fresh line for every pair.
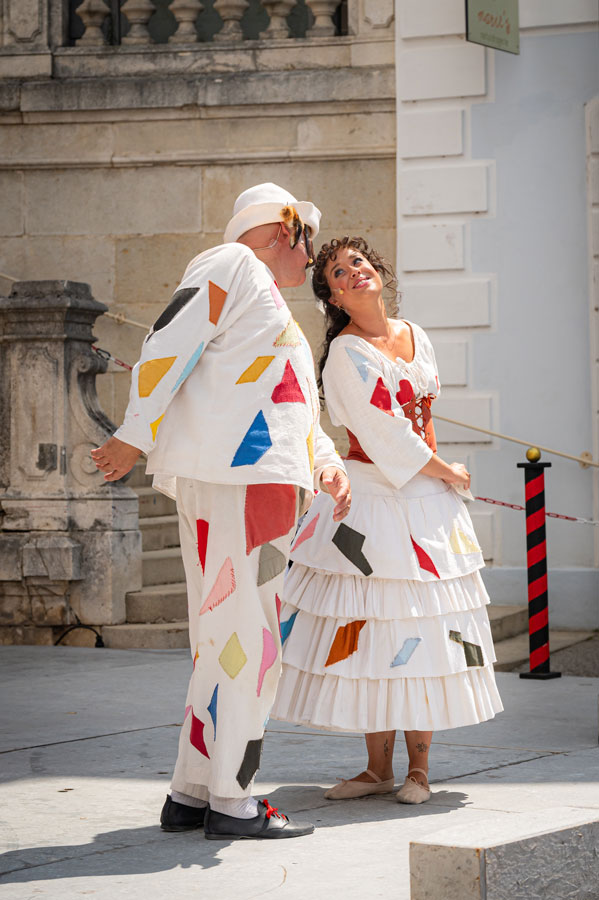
269,823
178,817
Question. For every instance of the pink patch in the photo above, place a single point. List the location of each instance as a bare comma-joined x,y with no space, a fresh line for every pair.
424,560
278,605
276,295
269,655
381,398
202,530
288,389
405,392
307,533
187,711
223,587
196,736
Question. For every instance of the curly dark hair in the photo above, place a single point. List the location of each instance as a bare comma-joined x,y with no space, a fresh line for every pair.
337,318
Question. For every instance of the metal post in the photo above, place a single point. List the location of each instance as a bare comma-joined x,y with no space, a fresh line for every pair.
536,560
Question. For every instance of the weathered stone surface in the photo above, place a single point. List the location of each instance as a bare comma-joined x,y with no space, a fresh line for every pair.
26,634
12,208
69,541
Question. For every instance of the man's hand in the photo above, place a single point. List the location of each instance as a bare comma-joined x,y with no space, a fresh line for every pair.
336,483
115,458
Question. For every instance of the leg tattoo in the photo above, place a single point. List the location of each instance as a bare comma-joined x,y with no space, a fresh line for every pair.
422,748
386,747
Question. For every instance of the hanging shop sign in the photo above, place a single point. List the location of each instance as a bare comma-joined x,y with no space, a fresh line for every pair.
493,23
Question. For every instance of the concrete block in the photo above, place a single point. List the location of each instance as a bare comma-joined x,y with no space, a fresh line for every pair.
26,634
325,183
448,304
15,608
84,259
113,201
162,566
56,557
443,189
10,557
155,636
306,56
378,13
26,65
111,561
593,119
158,532
464,408
109,93
426,18
12,217
79,143
452,361
49,605
456,70
152,503
149,269
532,856
540,13
423,133
431,247
375,129
158,603
595,228
372,53
594,181
484,521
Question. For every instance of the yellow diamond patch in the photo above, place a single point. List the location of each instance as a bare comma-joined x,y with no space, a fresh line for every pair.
461,543
232,658
257,368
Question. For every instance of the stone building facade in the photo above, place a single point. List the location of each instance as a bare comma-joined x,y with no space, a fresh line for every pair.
119,162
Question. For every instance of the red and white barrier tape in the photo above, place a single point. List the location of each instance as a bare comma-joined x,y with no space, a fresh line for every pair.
106,355
550,515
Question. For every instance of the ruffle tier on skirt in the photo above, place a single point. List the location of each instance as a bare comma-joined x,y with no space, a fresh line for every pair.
371,652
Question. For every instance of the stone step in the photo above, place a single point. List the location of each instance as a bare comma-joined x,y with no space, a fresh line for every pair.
155,636
158,532
514,651
137,476
152,503
507,621
158,603
162,566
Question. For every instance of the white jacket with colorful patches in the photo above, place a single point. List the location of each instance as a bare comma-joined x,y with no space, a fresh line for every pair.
224,390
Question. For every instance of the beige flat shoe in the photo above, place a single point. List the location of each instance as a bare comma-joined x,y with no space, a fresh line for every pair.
346,790
413,792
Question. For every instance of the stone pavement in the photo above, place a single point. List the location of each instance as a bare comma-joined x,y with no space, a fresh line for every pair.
88,739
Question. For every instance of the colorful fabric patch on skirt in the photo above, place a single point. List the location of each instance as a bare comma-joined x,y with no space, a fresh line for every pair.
196,735
345,642
271,563
424,560
472,652
349,542
250,763
405,653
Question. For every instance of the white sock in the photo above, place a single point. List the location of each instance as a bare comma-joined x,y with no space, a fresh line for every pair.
186,800
243,808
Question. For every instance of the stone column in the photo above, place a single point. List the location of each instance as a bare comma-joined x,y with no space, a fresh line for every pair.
70,546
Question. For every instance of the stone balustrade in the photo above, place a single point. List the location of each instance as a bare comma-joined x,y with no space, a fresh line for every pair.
145,22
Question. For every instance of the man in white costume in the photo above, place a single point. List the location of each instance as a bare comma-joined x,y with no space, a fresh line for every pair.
224,403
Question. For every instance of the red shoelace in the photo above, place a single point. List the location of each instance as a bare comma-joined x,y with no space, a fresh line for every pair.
272,810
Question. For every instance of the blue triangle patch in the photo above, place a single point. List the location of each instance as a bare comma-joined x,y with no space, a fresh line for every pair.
359,362
255,443
212,708
286,627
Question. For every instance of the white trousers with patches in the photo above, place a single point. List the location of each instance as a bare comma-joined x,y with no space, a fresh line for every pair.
233,599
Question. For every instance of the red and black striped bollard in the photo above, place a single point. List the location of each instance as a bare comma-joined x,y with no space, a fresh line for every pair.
536,561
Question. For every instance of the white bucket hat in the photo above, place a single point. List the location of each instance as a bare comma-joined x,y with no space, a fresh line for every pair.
262,204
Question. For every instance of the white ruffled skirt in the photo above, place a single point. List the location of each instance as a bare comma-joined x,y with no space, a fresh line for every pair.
384,621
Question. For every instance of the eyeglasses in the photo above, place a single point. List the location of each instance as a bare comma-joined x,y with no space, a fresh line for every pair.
297,230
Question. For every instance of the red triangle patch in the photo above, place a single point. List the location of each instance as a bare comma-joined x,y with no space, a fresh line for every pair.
381,397
269,513
202,529
288,389
424,560
196,735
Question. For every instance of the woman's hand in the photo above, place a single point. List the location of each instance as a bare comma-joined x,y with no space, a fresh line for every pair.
459,476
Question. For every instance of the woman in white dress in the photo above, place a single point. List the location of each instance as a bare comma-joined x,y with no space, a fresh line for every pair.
384,621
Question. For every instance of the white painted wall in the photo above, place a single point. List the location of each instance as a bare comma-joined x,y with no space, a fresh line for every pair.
494,260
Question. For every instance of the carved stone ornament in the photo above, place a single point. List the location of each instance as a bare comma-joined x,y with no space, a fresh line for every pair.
278,10
378,13
92,13
231,12
25,19
323,17
186,13
139,13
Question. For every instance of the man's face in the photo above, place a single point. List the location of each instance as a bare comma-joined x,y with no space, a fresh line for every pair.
292,261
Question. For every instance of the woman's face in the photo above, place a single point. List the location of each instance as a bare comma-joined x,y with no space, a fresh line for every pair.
352,279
